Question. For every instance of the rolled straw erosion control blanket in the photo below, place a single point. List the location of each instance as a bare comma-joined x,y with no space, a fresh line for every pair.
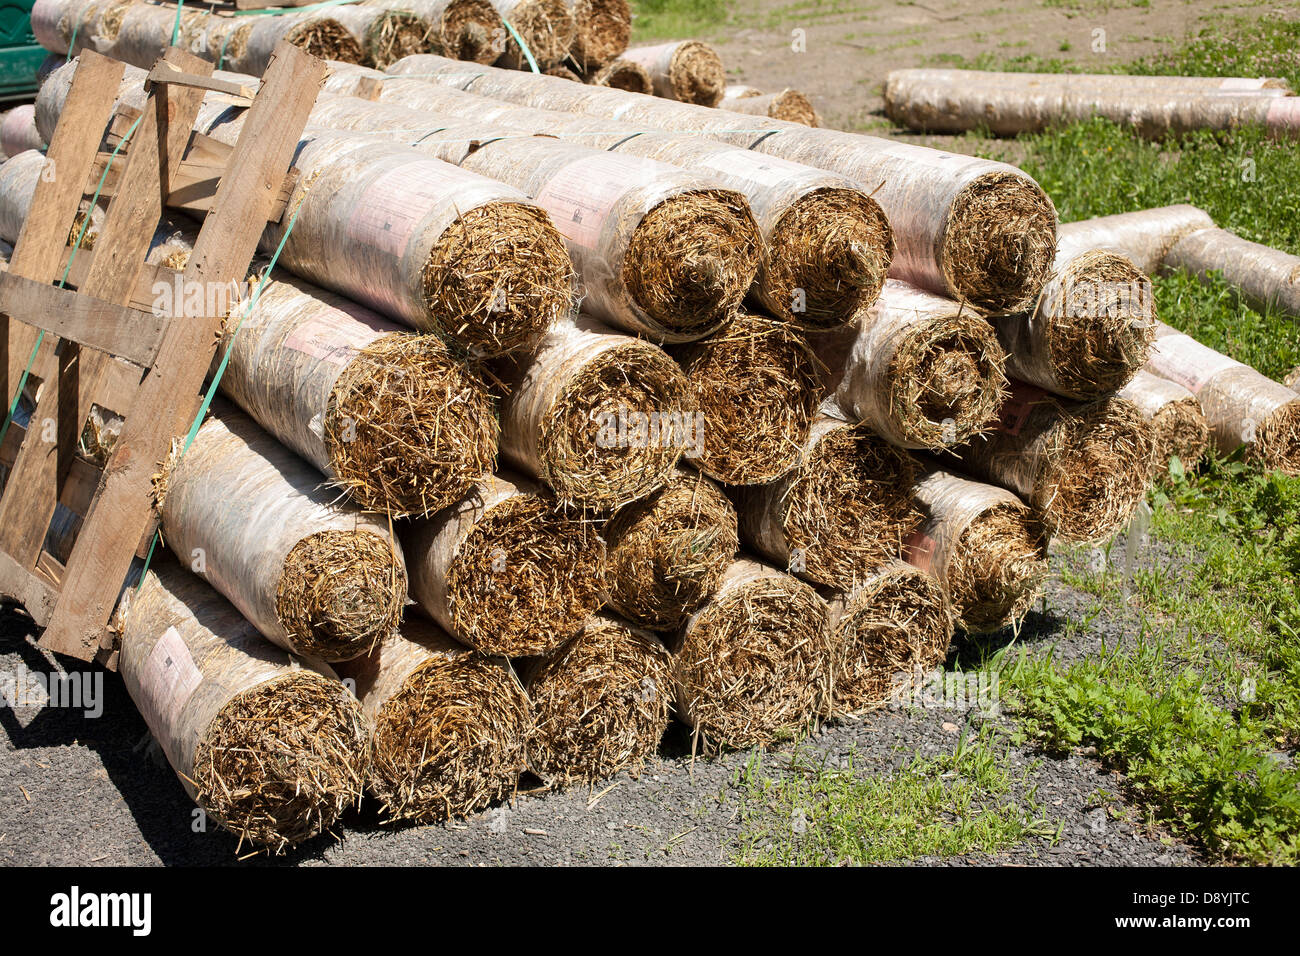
688,71
18,131
885,635
660,251
1090,330
600,418
1082,466
601,32
1011,103
449,725
384,34
545,27
752,392
1144,237
755,661
1178,425
789,105
968,228
601,701
1269,278
841,510
921,370
403,421
667,552
623,74
271,747
461,29
505,570
1242,407
828,244
983,545
314,576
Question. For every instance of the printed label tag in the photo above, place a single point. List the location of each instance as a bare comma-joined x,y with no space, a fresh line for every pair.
319,336
169,678
394,204
756,167
583,193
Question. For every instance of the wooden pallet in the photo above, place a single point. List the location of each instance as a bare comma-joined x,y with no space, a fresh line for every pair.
103,343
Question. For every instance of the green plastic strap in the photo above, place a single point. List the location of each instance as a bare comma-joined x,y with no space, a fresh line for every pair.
176,26
63,280
528,54
72,44
222,58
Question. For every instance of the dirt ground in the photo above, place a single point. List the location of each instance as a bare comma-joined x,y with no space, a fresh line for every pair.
850,45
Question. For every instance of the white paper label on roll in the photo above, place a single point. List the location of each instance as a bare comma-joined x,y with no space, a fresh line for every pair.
169,678
1182,359
398,200
335,336
757,167
581,195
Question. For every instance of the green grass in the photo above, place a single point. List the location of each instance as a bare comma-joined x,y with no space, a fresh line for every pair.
811,814
677,19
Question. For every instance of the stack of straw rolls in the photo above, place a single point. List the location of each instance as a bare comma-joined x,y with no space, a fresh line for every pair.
315,577
755,661
1090,330
433,246
921,370
667,552
789,105
968,228
404,422
602,702
271,747
461,29
602,30
546,28
622,75
449,725
828,244
600,418
505,570
1082,466
1144,237
661,252
953,101
384,34
758,439
844,508
892,629
687,70
1269,278
18,178
1241,406
1178,426
138,33
983,545
18,132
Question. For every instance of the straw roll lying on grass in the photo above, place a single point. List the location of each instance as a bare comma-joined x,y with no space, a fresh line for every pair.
450,725
602,702
271,748
755,661
841,510
688,71
668,551
892,628
789,105
1178,425
505,570
983,545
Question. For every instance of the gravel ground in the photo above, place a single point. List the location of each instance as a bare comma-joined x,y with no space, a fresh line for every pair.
80,790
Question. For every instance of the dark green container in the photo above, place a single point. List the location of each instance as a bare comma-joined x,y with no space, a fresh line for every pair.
20,55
